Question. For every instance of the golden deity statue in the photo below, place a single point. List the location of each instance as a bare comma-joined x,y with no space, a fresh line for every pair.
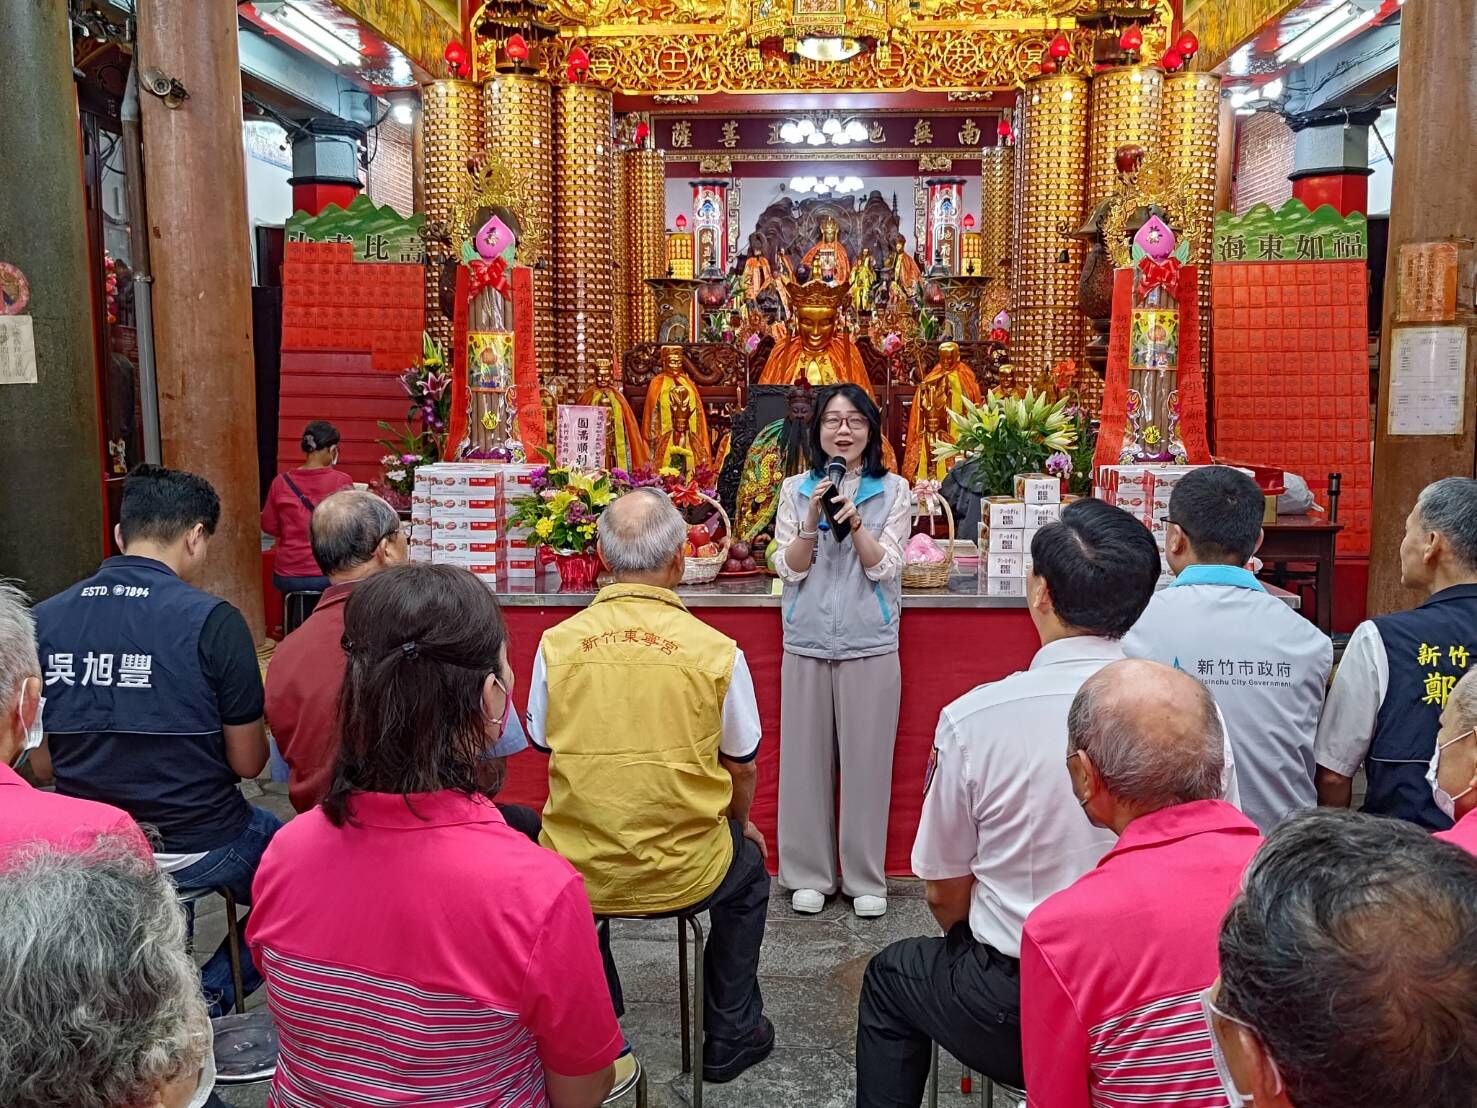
828,259
673,422
624,448
817,353
758,275
943,389
863,281
905,273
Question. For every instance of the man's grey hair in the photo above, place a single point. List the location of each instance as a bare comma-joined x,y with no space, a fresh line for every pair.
17,645
1462,701
100,1001
347,527
1152,732
1449,507
641,532
1352,953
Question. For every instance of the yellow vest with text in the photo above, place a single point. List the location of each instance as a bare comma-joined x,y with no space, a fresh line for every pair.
638,802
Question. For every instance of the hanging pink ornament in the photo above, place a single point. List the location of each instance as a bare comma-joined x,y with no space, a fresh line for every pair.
1155,239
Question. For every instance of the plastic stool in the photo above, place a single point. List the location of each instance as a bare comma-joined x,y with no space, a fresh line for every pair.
192,897
638,1082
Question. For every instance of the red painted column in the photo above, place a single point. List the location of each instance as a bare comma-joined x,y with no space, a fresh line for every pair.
1346,191
1331,160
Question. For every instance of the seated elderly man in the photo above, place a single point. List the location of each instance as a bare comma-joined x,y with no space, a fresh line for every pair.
355,535
649,719
100,1003
1453,773
27,814
1349,970
1112,968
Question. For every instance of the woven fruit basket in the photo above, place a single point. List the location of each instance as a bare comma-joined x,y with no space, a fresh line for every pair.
702,570
931,575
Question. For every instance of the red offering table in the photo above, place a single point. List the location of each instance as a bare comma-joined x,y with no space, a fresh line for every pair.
952,640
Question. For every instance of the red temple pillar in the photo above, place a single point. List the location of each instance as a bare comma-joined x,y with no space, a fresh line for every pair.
1331,160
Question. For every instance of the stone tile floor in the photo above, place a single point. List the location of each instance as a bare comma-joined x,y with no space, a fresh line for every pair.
810,970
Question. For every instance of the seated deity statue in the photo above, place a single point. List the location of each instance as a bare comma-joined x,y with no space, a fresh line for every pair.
624,446
674,425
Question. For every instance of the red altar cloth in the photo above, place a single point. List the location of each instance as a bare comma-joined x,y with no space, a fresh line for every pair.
945,653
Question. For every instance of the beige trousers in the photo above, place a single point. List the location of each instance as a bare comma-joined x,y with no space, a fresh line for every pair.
826,708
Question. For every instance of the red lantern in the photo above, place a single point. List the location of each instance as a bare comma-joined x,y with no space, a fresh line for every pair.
1003,131
968,222
1048,66
642,130
1171,61
681,223
1132,40
1060,48
579,61
455,55
517,48
1187,45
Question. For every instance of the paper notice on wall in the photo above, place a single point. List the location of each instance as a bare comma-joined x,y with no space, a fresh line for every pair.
17,350
1428,378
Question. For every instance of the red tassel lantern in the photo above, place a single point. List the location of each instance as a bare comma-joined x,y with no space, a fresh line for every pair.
1131,40
1060,48
517,48
1187,45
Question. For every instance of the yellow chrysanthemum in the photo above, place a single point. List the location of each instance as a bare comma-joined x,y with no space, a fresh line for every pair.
544,527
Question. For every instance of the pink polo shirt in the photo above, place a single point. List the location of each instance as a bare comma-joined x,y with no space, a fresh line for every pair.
1112,966
425,953
1463,834
30,815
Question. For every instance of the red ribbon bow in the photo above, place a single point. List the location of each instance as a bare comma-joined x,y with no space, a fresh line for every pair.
1165,274
488,275
999,334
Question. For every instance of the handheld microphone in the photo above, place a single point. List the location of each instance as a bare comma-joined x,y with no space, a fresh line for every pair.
835,473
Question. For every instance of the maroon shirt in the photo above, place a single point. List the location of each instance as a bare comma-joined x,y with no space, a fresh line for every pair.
286,517
303,681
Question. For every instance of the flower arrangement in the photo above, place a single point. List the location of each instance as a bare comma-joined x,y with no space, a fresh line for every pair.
564,506
403,453
429,387
687,492
1011,434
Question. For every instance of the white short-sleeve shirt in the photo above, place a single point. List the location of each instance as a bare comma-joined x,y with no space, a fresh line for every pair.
999,803
1353,706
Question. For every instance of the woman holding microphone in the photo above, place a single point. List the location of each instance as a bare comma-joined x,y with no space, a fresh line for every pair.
840,533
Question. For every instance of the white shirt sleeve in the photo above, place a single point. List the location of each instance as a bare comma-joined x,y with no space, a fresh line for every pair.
947,839
894,537
1353,705
538,701
1230,790
741,727
787,531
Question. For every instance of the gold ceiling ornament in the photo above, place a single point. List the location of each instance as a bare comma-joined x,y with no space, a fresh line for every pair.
1158,185
675,98
935,163
715,164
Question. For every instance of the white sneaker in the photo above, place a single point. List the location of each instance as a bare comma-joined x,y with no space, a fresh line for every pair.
808,901
868,906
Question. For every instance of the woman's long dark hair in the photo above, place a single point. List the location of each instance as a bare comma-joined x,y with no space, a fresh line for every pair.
872,454
420,642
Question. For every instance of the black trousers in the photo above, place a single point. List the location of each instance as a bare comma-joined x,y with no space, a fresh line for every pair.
952,990
736,909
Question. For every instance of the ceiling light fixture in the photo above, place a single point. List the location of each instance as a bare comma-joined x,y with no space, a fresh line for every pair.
305,29
832,126
856,130
818,48
1337,36
403,112
805,128
1315,31
816,139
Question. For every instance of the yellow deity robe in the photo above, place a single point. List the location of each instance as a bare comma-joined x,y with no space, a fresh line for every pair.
839,362
828,262
941,389
657,420
624,446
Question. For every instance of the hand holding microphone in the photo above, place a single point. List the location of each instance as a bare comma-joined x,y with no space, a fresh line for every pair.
839,510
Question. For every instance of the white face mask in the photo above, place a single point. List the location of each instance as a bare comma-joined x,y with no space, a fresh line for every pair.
206,1084
34,734
1235,1098
1444,800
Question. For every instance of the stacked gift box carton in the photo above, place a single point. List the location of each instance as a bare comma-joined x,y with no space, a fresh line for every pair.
459,515
1008,525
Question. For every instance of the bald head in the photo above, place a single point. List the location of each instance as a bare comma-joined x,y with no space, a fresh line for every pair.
348,530
641,534
1152,733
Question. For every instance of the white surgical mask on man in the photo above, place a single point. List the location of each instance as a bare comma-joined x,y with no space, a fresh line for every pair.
1444,800
34,734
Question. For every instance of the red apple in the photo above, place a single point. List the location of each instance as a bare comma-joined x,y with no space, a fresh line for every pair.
739,550
698,536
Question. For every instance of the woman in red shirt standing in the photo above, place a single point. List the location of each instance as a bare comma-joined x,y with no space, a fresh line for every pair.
290,503
416,949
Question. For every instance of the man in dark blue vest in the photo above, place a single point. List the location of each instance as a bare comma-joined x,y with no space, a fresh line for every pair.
1384,709
154,697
